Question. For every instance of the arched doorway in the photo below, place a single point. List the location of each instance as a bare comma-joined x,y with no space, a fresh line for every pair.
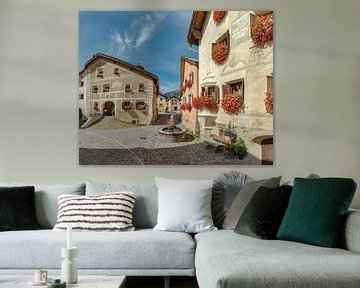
108,108
267,151
266,144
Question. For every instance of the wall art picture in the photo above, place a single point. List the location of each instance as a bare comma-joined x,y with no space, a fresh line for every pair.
176,88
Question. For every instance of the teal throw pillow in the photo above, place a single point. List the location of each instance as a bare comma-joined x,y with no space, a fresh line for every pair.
316,211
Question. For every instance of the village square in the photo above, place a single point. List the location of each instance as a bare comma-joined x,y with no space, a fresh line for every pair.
222,113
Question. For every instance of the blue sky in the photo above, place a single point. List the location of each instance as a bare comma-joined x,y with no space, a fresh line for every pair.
155,40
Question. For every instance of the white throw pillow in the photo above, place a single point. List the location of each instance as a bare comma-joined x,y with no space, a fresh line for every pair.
105,212
184,205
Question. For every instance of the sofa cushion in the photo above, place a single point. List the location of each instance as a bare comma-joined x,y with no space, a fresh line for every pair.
263,215
17,208
184,205
46,200
225,259
226,187
243,198
146,205
142,249
105,212
317,209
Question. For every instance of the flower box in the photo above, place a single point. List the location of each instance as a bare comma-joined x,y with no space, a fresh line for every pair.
219,16
232,103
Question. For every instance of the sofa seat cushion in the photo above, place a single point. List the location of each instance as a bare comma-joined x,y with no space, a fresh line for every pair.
225,259
142,249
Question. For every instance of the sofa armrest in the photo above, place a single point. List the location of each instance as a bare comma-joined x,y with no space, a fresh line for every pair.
351,234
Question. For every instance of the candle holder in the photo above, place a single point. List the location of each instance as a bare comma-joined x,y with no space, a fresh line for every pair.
68,265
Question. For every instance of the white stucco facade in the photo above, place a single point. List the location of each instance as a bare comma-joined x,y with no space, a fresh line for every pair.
249,67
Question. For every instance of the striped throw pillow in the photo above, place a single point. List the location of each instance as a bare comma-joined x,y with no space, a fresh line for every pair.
105,212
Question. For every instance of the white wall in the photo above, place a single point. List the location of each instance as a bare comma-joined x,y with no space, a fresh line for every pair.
317,84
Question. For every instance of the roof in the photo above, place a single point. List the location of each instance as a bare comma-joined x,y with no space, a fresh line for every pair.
196,26
172,94
137,69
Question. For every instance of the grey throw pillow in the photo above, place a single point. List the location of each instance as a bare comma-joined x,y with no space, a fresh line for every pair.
242,199
184,205
226,187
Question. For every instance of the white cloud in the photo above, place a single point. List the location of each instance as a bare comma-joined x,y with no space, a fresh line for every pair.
139,31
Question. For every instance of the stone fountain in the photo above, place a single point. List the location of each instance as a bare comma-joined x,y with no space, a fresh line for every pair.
172,133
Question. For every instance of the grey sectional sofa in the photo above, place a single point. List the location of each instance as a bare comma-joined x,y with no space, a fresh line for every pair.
219,259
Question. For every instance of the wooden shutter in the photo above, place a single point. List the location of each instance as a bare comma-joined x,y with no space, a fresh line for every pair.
212,49
226,89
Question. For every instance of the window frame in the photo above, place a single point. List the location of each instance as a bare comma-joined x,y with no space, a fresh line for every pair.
93,87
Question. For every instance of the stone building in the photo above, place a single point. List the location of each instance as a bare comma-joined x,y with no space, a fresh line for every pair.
110,86
246,70
173,101
189,90
161,103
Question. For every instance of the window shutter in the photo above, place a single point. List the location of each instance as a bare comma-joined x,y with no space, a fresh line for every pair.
226,89
217,94
212,49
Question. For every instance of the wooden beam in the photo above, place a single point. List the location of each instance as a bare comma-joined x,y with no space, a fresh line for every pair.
197,34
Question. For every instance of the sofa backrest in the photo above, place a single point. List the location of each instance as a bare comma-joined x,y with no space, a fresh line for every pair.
46,200
146,203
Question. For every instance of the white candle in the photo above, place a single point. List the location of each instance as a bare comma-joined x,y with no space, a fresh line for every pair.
69,240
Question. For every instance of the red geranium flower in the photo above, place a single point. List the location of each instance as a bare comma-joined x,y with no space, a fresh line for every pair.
219,16
232,103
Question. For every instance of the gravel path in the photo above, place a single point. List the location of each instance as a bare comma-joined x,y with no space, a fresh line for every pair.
192,154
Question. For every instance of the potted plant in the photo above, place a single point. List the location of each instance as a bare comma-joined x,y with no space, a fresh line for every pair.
232,103
239,147
220,53
229,137
269,98
261,30
219,16
182,107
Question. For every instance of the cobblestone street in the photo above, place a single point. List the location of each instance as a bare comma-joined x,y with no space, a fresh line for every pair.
143,146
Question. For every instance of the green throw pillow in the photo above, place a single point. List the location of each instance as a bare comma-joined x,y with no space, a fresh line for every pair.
316,211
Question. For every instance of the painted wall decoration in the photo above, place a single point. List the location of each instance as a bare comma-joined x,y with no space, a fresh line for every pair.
176,88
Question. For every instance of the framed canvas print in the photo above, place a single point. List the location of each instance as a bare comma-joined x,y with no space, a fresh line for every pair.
176,88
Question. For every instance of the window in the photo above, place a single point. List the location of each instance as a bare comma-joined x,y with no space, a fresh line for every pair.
116,71
81,96
81,83
94,89
190,97
141,87
126,105
106,87
127,88
100,72
96,108
212,91
140,105
191,77
237,87
269,83
224,39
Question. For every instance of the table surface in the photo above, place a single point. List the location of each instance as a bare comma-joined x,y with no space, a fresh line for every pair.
84,281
